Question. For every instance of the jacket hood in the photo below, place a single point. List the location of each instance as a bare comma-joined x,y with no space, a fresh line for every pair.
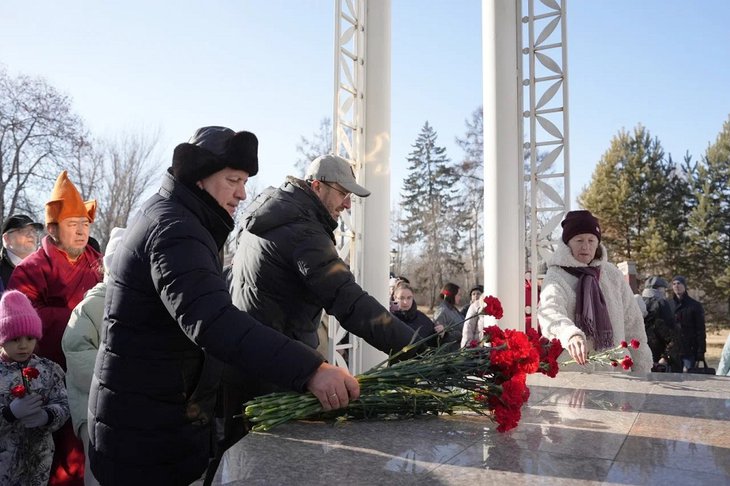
562,257
293,201
98,290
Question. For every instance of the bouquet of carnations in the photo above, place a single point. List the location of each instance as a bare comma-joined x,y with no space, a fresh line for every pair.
487,377
28,374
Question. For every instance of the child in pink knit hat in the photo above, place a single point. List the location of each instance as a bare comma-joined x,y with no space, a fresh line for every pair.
33,400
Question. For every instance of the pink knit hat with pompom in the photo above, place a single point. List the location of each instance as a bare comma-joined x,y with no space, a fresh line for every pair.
18,317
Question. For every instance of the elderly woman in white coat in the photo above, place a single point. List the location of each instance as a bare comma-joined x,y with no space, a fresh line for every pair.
585,301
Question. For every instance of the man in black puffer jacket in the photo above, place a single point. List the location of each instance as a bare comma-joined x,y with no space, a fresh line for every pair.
286,270
169,325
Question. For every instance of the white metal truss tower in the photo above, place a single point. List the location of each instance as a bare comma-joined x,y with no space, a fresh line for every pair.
545,112
348,118
525,77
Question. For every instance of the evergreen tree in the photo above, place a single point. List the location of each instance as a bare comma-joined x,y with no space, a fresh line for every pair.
676,228
708,251
428,201
633,193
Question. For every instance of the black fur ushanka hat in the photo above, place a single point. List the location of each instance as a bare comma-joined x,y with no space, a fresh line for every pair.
211,149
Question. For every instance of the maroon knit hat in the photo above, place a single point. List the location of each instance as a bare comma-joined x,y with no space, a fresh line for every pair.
18,317
578,223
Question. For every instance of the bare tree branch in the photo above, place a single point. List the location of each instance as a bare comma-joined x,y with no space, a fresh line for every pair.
38,133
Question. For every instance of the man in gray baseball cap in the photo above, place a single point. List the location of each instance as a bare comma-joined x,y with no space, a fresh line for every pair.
332,180
333,169
286,270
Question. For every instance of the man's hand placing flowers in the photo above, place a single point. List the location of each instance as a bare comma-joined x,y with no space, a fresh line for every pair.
334,387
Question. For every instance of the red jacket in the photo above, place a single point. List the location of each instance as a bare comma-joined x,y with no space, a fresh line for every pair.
54,286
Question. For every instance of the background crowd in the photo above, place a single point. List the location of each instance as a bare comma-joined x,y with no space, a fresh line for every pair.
131,366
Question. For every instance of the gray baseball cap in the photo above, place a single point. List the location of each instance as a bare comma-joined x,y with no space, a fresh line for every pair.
332,168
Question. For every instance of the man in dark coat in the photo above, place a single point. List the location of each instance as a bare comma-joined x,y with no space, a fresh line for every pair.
662,333
169,325
20,239
286,270
690,317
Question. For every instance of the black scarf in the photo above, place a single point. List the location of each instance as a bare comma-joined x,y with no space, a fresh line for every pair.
591,313
409,315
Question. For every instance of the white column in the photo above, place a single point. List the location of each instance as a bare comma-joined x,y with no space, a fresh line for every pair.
375,174
503,202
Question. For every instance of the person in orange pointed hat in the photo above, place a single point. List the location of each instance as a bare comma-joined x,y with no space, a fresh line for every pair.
55,278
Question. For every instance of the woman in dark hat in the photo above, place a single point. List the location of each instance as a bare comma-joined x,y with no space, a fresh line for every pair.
585,301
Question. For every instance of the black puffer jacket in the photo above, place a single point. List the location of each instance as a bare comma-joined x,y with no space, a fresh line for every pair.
168,320
286,270
419,322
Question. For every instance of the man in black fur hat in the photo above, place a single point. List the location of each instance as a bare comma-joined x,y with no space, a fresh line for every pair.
170,325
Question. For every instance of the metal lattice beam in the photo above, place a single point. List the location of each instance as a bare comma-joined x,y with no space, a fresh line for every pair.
345,349
545,111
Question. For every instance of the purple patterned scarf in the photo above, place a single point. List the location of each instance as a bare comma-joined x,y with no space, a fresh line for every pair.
591,313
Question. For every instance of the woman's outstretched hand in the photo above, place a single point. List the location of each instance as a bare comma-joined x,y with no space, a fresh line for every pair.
577,349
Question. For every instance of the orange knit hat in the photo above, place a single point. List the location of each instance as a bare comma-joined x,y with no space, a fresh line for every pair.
66,202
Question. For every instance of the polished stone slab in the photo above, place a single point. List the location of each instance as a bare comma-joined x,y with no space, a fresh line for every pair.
578,428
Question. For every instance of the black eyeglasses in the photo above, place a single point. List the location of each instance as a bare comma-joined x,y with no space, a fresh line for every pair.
345,194
30,232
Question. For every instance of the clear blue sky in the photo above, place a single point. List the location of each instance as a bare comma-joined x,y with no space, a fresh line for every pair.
267,65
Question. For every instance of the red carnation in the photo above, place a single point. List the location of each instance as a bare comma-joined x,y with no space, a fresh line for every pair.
31,373
624,344
635,343
549,364
493,332
614,363
508,407
533,334
627,362
493,307
18,391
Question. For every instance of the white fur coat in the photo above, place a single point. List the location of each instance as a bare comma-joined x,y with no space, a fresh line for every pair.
556,309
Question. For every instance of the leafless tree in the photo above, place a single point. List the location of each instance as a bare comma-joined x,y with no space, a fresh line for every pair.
130,163
311,148
85,168
38,135
472,192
